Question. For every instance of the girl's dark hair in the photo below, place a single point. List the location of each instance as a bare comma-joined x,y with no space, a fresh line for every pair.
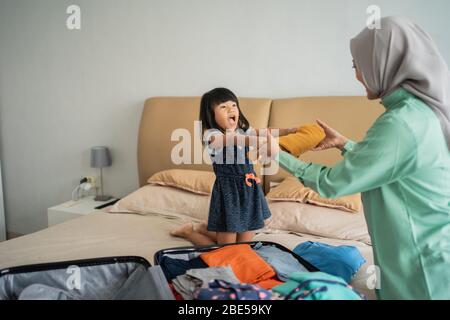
212,99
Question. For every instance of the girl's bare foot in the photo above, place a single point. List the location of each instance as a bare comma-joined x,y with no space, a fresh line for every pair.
202,227
183,231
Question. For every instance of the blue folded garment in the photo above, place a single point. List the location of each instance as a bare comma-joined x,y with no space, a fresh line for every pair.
283,262
173,268
341,261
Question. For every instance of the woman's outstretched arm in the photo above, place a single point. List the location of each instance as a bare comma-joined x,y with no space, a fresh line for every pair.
387,153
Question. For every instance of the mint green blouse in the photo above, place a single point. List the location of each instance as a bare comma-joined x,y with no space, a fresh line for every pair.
402,169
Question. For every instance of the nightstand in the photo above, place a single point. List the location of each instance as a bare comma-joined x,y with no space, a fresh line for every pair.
74,209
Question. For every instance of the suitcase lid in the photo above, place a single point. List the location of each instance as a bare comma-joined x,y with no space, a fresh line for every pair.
79,262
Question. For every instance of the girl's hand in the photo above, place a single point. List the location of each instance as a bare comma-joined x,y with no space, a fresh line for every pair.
333,139
261,141
282,132
273,148
268,151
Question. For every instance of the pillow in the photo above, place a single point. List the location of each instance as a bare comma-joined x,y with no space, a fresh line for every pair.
318,221
200,182
163,200
291,189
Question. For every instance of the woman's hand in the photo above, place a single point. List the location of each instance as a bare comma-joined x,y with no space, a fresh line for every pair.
333,139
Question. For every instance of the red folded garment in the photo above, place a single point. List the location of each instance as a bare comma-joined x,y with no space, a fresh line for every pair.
175,292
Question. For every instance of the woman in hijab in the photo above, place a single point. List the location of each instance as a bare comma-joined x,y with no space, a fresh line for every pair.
402,167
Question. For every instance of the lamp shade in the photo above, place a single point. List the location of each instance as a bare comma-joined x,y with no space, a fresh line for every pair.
100,157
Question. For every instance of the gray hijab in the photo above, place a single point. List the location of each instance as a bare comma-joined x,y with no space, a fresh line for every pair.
402,55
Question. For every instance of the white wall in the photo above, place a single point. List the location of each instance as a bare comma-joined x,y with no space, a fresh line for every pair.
63,91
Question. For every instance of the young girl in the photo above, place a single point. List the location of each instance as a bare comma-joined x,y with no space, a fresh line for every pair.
238,206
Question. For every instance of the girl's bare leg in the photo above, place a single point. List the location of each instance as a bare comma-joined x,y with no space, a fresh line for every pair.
187,232
226,237
245,236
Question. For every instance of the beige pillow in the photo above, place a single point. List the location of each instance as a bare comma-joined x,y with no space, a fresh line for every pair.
196,181
291,189
167,201
318,221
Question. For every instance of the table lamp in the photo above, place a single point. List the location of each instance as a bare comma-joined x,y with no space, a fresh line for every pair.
100,158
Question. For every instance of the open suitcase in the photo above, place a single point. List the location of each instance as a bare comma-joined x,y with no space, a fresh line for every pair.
112,278
192,252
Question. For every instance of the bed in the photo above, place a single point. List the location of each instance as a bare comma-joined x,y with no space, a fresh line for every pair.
103,234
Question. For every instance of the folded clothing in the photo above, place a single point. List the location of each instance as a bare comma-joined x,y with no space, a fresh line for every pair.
175,292
173,268
283,262
269,283
195,279
247,265
305,139
223,290
316,286
341,261
183,256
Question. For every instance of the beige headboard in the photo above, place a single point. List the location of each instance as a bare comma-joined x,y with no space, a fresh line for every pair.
161,116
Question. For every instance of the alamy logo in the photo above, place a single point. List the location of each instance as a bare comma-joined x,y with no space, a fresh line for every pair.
73,282
73,22
374,280
373,21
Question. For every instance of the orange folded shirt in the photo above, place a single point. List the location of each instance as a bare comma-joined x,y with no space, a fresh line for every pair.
305,139
246,264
